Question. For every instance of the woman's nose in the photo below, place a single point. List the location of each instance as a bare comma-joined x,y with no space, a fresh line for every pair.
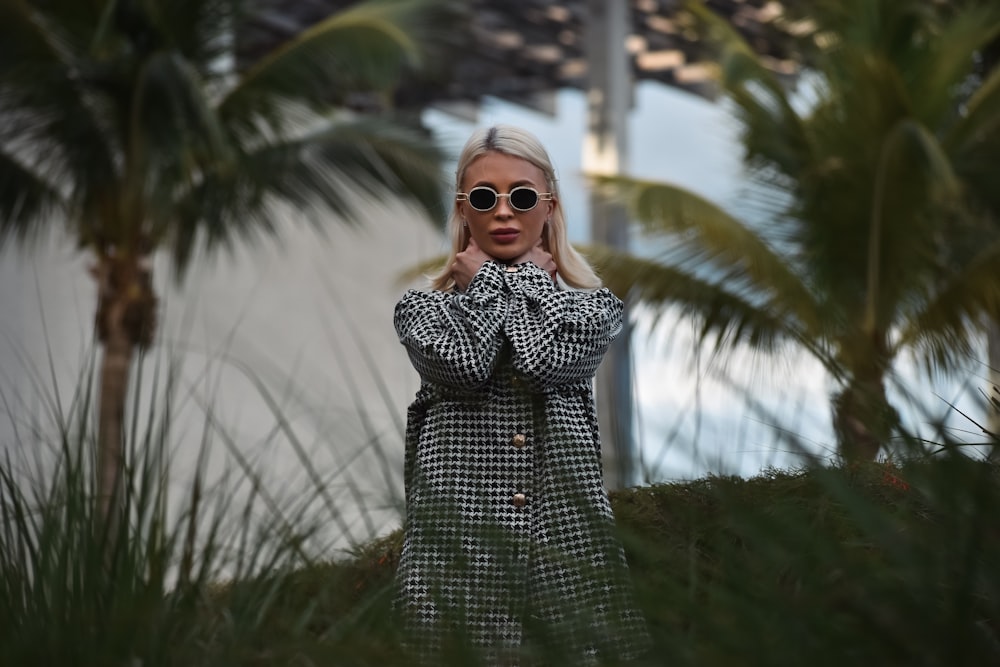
503,209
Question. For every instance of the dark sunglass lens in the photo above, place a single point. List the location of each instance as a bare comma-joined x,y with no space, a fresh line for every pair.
523,199
482,199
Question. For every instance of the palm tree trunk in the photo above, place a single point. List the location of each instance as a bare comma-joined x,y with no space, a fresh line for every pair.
115,366
125,320
863,419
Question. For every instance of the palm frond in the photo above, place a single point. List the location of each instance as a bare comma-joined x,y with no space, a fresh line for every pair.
724,318
978,125
174,133
421,270
914,183
339,168
49,122
363,48
946,330
68,24
386,160
945,60
28,203
772,130
199,30
711,235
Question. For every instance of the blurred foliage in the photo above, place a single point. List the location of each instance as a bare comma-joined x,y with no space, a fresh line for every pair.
869,229
128,126
881,563
875,563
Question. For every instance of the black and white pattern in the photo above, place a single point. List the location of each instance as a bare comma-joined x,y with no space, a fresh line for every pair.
509,538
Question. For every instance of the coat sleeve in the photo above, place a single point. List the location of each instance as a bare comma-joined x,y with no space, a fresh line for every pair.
453,339
558,336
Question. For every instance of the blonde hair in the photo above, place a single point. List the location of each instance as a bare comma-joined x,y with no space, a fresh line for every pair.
574,270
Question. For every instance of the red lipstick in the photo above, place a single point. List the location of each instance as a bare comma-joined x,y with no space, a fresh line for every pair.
505,235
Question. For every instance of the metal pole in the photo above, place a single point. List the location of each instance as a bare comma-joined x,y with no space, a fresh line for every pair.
993,360
609,98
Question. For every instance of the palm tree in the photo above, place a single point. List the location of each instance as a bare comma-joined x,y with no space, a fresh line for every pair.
873,188
988,62
127,123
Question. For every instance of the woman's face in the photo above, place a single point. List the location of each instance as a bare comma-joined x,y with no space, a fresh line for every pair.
504,232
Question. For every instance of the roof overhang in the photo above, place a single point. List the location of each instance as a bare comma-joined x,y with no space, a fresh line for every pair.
518,49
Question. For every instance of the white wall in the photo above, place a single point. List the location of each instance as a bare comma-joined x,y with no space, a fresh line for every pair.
308,317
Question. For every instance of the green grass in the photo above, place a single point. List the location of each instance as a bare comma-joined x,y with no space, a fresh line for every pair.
877,564
872,565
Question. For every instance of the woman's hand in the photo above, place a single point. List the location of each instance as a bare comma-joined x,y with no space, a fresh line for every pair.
540,257
467,263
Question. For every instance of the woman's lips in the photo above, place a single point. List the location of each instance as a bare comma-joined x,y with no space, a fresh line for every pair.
506,235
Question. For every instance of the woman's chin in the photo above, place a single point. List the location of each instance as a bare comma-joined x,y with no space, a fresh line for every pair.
504,254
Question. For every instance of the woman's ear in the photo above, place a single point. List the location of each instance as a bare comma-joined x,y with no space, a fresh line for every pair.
547,228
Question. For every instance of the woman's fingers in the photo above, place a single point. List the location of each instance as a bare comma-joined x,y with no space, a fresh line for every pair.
467,263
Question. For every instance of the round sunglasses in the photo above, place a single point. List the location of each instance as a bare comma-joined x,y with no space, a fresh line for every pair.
484,198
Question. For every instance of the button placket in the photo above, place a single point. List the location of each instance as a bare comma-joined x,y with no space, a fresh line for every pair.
519,499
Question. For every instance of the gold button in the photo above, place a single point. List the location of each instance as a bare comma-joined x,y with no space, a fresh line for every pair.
519,500
519,440
511,269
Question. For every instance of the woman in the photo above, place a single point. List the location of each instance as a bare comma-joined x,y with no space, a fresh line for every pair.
509,550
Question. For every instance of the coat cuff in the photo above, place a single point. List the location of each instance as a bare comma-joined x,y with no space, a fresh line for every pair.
487,281
528,278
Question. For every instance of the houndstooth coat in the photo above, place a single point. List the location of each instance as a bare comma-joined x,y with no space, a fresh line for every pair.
509,549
